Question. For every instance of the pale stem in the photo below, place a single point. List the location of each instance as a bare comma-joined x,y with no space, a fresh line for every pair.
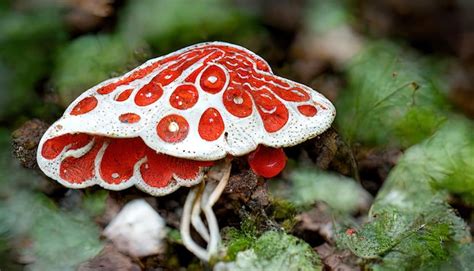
203,199
185,227
197,222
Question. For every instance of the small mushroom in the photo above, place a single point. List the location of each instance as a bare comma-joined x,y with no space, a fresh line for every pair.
163,124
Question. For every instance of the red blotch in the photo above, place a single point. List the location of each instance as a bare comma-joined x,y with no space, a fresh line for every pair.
307,110
129,118
124,95
213,79
78,170
274,113
85,105
108,88
267,162
167,76
238,102
261,65
172,128
119,159
211,125
192,77
184,97
137,74
292,95
54,146
149,93
159,169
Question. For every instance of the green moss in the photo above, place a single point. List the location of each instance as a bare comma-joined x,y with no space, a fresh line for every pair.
237,240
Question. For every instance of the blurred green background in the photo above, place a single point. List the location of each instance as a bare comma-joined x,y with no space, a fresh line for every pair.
401,74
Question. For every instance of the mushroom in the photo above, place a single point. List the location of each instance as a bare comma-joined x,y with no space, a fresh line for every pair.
165,123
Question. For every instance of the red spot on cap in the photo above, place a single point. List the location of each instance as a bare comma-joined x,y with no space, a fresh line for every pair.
213,79
167,76
238,102
108,88
85,105
148,94
124,95
211,125
129,118
274,113
292,95
172,128
184,97
307,110
119,159
267,162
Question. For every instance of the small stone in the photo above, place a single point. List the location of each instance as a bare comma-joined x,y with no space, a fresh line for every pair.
138,230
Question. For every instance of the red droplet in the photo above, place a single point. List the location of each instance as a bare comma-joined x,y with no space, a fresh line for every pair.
80,169
172,128
119,159
213,79
54,146
149,93
159,169
211,125
124,95
85,105
184,97
238,102
267,162
307,110
129,118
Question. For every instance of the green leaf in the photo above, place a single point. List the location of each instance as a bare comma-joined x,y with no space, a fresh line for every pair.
410,226
391,97
277,251
341,193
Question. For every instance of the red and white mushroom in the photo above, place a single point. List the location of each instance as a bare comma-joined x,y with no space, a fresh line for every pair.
159,126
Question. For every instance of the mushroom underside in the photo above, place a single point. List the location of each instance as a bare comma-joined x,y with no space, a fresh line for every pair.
81,160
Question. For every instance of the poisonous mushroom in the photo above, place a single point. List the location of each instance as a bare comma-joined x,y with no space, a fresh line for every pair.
161,125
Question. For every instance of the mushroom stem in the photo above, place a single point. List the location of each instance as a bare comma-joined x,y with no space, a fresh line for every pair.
197,222
185,226
211,194
203,199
